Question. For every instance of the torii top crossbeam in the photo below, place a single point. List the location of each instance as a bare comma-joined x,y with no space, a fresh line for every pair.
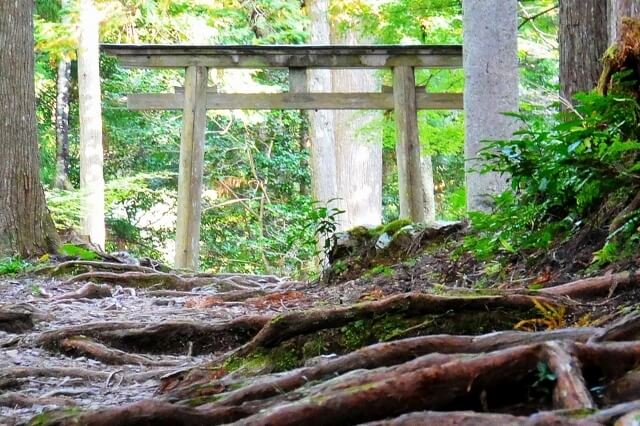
299,56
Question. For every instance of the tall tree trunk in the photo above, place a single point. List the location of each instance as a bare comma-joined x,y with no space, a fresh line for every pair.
61,180
91,155
323,150
25,225
62,125
491,88
583,38
358,146
618,9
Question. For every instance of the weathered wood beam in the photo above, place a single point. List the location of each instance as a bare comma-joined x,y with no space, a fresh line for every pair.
410,183
297,80
191,167
149,56
304,101
210,89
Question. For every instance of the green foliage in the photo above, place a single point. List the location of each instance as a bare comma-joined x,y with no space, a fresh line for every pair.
570,166
562,169
379,270
81,253
13,265
258,215
545,375
323,221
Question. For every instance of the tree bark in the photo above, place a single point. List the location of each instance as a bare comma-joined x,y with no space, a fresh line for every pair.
25,225
358,146
428,188
91,155
61,180
323,149
618,9
62,125
583,38
491,89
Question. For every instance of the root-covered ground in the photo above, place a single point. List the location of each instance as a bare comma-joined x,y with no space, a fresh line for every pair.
418,337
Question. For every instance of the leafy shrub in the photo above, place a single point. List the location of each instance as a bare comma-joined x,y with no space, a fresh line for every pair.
562,170
12,265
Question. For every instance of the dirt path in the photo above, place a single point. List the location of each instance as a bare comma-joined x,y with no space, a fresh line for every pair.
121,344
34,378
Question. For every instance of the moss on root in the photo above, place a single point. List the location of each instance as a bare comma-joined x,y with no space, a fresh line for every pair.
53,417
294,352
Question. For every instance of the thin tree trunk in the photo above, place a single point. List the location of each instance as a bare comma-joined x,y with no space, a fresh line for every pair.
62,125
583,37
25,225
91,155
323,150
617,10
61,180
358,147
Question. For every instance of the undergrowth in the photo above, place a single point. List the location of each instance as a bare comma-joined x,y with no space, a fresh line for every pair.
566,173
13,265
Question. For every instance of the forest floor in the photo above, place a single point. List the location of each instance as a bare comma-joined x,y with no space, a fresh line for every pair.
428,335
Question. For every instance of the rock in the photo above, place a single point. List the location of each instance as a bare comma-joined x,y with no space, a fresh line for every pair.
383,242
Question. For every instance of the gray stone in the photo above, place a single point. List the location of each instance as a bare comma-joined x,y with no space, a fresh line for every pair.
383,241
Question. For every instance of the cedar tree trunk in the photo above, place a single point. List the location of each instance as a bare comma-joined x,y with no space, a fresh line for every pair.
25,225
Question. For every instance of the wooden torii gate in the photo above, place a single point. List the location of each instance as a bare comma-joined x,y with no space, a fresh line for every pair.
196,98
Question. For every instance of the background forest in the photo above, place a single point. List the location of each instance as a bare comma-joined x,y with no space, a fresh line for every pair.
258,213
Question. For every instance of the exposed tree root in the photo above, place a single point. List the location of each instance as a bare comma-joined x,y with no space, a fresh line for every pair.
22,372
434,387
607,415
15,319
123,375
604,285
86,347
142,279
470,418
87,291
331,373
421,384
16,399
168,281
628,328
289,325
73,266
570,391
230,296
391,379
370,357
287,340
168,337
146,413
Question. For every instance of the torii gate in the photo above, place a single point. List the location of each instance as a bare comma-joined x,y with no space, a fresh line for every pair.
196,98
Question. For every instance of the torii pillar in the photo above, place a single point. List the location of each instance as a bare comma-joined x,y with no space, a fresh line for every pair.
194,124
490,59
